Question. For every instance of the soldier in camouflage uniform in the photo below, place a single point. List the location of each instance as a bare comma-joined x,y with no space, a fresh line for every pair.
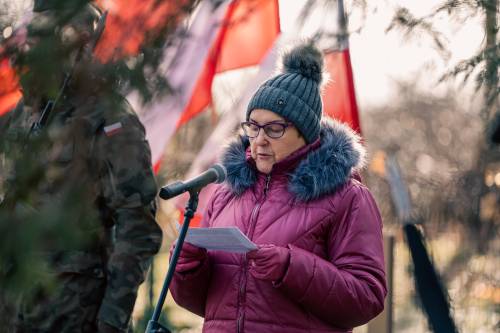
94,150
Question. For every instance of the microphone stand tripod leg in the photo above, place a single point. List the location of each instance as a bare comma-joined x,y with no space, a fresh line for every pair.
153,325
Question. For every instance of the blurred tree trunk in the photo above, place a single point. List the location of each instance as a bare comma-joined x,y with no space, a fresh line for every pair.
491,19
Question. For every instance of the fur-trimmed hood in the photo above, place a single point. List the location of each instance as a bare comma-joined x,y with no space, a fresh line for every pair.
321,171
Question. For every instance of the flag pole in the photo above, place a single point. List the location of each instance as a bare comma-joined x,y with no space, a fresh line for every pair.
430,288
342,36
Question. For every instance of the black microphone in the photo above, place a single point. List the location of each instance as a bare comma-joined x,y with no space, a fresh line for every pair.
216,174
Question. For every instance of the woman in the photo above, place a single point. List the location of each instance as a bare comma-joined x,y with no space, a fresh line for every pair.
292,189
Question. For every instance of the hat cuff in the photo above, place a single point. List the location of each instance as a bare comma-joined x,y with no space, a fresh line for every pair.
290,107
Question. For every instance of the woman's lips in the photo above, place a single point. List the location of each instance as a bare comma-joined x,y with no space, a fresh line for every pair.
264,156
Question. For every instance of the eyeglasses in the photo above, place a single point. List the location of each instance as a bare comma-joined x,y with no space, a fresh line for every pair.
274,129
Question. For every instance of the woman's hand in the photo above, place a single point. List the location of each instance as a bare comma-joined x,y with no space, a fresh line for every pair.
269,262
190,258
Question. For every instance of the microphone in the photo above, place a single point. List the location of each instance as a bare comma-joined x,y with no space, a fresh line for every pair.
215,174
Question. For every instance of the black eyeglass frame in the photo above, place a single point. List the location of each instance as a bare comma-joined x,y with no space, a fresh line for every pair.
276,122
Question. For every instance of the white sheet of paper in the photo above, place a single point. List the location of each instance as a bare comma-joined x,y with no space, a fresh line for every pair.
229,239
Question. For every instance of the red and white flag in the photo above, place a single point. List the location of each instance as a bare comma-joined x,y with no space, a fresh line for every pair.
184,60
234,35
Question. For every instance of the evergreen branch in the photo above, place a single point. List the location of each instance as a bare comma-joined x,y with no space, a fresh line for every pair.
485,77
410,25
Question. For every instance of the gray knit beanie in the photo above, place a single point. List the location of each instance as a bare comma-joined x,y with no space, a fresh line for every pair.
295,93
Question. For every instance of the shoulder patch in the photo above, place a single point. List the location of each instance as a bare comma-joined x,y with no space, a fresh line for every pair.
113,129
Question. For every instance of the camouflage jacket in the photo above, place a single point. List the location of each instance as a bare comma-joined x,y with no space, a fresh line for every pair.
96,151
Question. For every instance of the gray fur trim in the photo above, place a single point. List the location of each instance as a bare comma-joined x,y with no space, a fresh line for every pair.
240,174
323,171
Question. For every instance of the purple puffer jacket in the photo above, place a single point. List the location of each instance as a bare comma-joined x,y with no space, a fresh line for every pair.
311,204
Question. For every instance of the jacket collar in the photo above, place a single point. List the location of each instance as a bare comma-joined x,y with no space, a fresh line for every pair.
315,170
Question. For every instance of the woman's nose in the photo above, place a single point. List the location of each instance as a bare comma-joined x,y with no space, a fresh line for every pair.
261,137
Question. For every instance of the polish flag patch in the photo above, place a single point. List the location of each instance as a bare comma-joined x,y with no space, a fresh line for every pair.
113,129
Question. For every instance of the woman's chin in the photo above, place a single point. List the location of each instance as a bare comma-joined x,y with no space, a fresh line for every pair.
264,167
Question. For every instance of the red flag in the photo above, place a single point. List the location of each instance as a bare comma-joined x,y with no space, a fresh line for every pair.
130,22
9,89
248,32
339,99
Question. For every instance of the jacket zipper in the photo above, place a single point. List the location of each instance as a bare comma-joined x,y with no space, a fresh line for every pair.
253,221
256,209
240,316
266,188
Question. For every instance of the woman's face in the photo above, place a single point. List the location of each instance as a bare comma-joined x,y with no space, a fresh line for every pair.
267,151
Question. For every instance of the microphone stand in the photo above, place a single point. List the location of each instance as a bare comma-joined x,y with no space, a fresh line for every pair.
153,325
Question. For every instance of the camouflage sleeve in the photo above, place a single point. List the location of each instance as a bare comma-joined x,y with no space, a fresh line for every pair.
5,122
129,189
8,138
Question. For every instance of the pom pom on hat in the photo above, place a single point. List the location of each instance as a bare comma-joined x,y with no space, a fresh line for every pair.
294,94
305,60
